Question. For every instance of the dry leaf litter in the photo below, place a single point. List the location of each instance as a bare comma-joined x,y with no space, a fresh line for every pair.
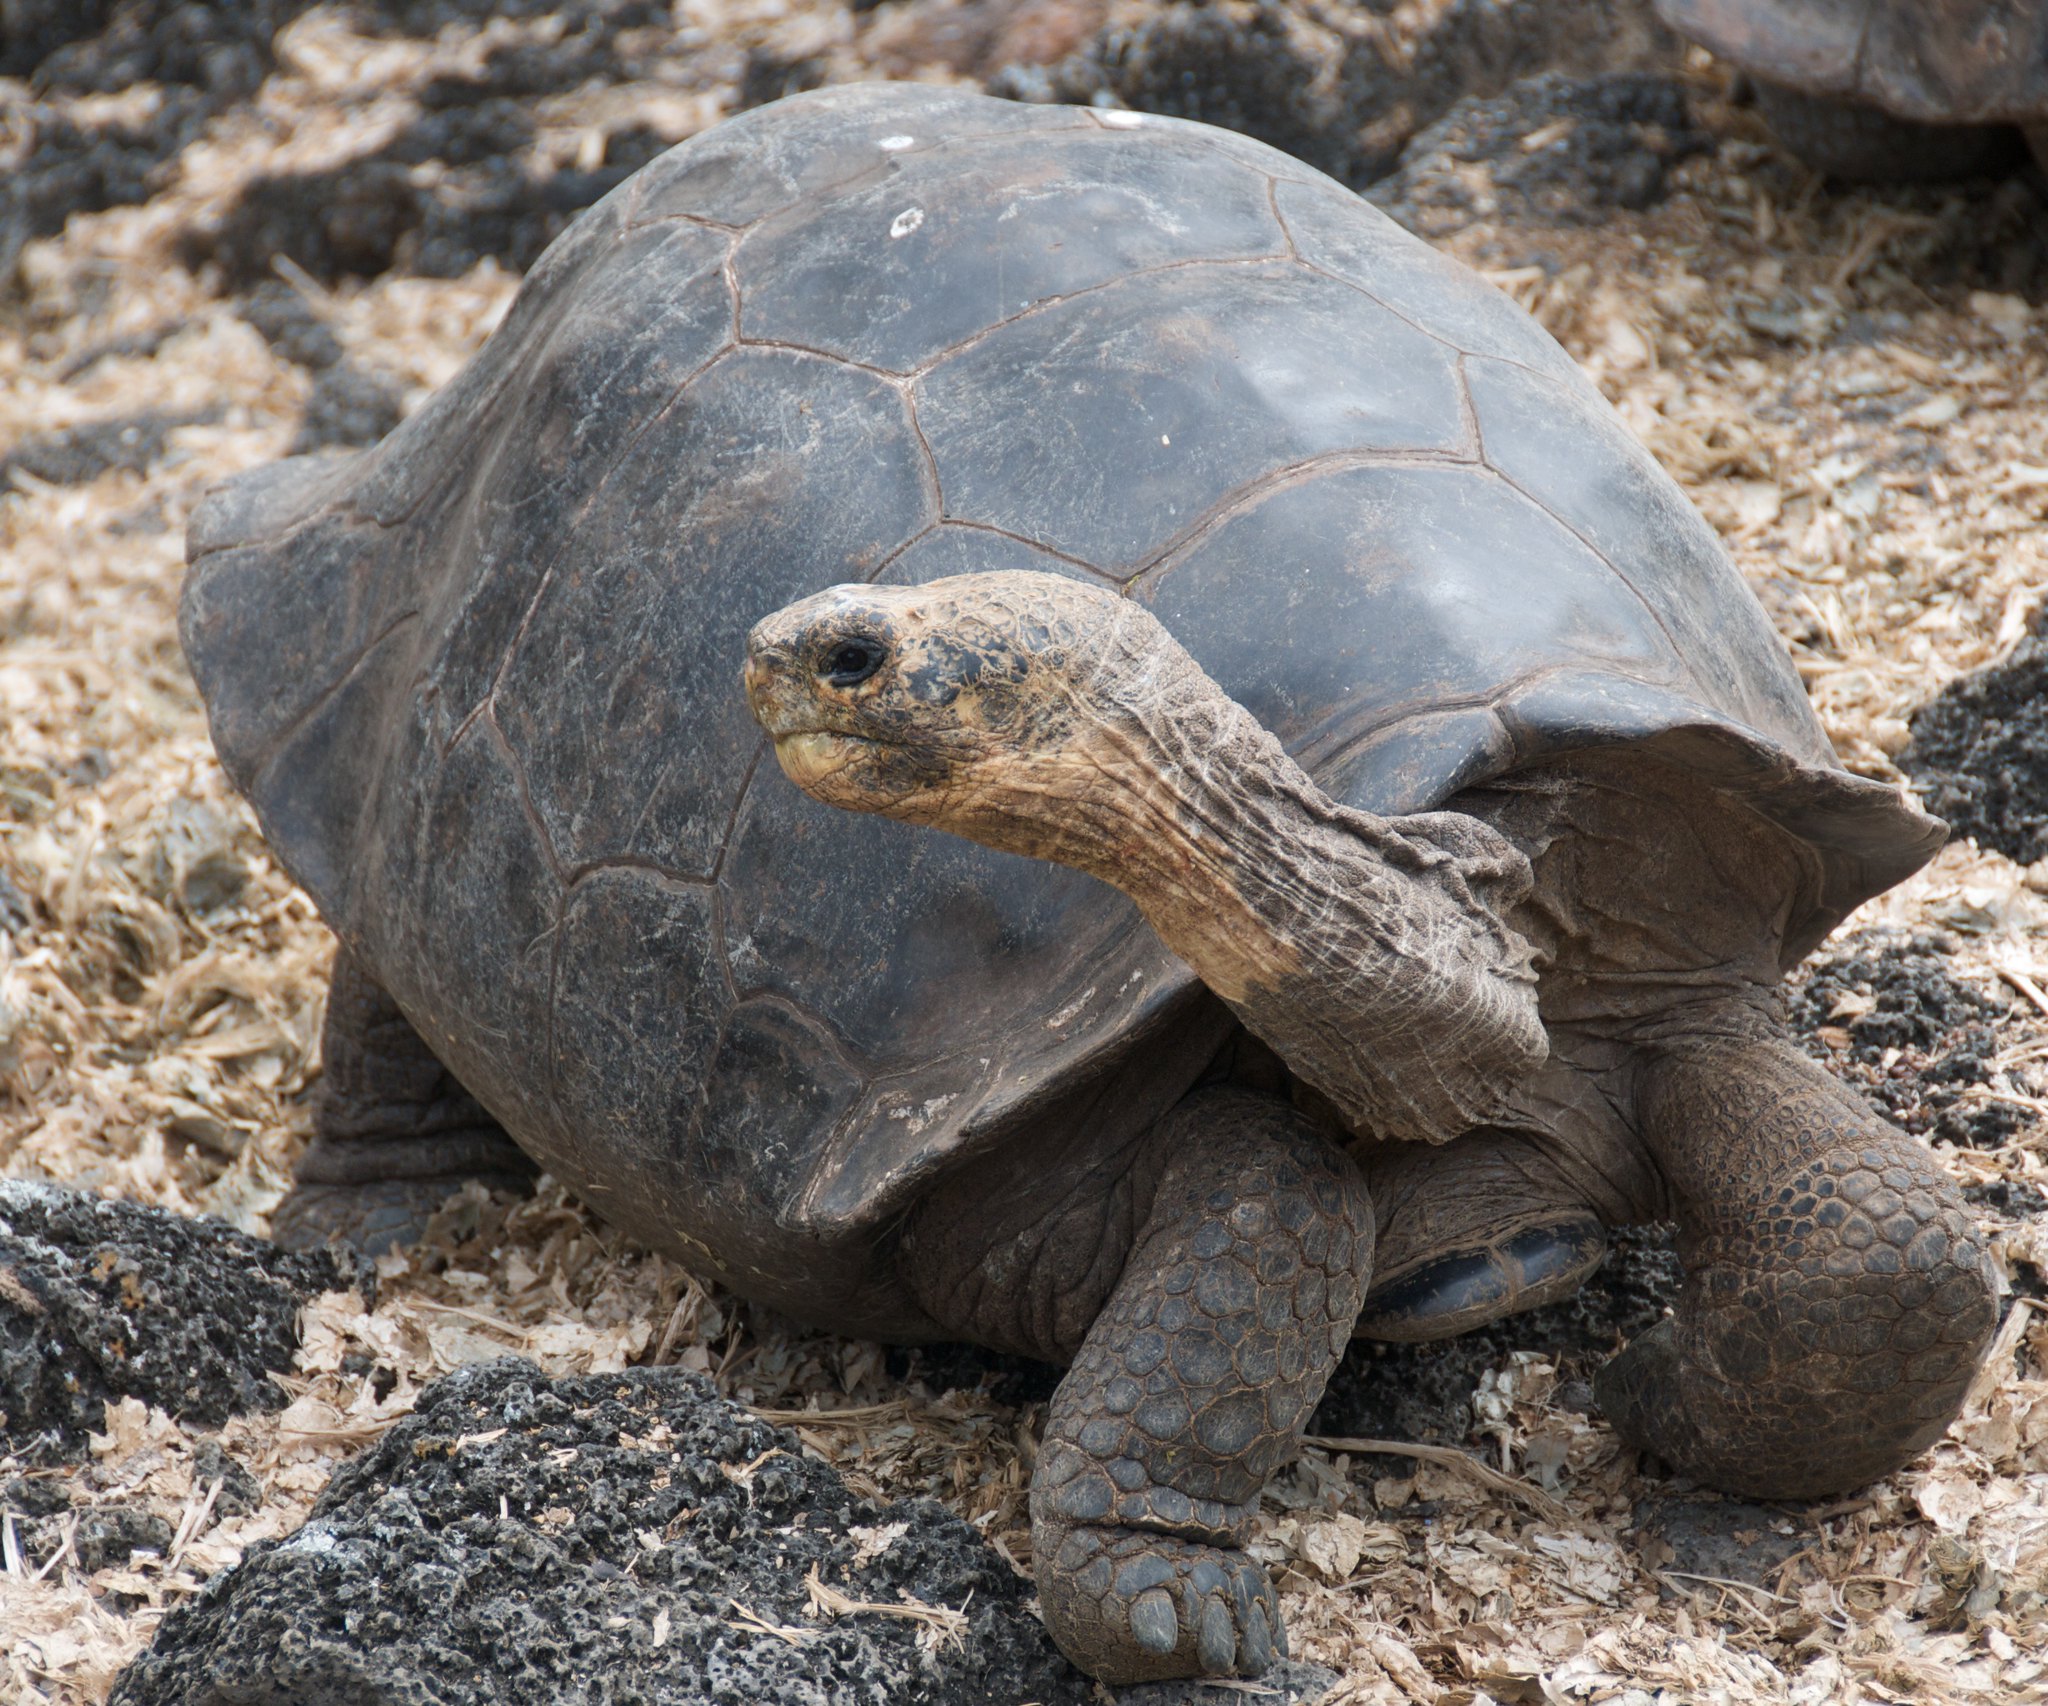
1871,439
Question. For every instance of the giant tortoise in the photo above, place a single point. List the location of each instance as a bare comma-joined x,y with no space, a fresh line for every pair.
1888,90
1468,834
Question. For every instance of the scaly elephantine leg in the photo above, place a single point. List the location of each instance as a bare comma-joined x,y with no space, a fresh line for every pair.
1838,1297
1486,1225
1236,1298
394,1135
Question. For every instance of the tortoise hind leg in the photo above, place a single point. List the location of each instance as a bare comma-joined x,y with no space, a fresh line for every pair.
394,1135
1487,1225
1837,1299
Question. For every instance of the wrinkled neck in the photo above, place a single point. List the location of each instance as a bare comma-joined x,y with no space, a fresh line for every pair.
1169,790
1373,954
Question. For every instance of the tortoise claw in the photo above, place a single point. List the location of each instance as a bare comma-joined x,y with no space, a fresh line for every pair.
1136,1605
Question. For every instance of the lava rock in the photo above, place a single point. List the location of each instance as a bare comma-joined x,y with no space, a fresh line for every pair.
202,56
64,165
240,1492
103,47
348,407
115,1533
290,325
1253,68
1723,1540
1346,99
1980,754
1885,1012
624,1538
1602,143
101,1301
1423,1393
405,207
80,454
461,181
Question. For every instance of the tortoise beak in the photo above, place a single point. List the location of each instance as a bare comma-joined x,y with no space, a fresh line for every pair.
772,695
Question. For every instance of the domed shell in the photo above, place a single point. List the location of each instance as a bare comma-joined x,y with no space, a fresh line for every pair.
481,682
1932,61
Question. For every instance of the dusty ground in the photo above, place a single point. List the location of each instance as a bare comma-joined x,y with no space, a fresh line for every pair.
1854,386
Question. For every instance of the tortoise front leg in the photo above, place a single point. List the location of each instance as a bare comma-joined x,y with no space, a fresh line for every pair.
1838,1298
1191,1388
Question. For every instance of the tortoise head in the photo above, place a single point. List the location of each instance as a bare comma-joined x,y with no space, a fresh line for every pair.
984,704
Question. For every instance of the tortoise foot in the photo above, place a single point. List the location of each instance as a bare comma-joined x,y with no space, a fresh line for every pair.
1132,1605
372,1217
1864,144
1448,1295
1837,1299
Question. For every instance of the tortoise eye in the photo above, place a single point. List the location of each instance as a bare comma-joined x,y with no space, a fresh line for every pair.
852,662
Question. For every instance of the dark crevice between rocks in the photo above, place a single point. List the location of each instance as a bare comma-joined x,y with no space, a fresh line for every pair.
101,1301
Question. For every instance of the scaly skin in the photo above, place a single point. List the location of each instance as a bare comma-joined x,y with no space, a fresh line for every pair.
394,1135
1838,1297
1485,1226
1192,1387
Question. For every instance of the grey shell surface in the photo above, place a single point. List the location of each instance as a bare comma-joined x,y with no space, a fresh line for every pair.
482,681
1932,61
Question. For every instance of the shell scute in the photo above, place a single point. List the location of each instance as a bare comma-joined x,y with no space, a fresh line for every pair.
864,918
778,1085
658,314
1351,240
463,883
773,157
635,958
1585,468
772,474
1387,591
428,451
954,549
1157,397
943,246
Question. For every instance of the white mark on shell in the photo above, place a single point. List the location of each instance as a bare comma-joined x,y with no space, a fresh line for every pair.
1165,439
896,144
1117,119
906,222
917,1118
1069,1013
